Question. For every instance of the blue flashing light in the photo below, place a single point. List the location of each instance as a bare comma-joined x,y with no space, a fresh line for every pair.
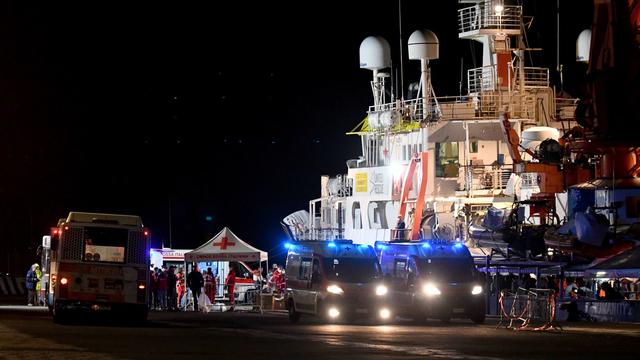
288,245
426,246
381,247
457,245
332,244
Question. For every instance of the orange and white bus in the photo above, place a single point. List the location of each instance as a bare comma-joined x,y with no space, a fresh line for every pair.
98,263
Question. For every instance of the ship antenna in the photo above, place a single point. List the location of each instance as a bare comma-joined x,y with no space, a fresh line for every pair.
401,61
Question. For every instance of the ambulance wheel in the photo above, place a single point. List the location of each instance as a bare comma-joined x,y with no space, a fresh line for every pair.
294,316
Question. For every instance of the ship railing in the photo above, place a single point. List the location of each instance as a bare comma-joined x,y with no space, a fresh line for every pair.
412,109
481,17
324,234
485,177
482,105
481,79
534,77
484,78
566,108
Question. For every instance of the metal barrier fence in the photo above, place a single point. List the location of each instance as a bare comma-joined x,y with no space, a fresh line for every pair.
245,298
526,308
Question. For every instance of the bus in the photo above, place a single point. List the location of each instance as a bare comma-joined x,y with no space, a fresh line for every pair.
98,263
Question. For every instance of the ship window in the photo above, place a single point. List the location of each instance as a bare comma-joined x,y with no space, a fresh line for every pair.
447,160
356,214
377,217
473,147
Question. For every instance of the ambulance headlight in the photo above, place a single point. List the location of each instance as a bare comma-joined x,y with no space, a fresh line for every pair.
430,289
476,290
381,290
335,289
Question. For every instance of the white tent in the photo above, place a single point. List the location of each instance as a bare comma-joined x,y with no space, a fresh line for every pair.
226,246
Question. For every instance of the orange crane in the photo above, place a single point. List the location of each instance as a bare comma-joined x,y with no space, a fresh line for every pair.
422,160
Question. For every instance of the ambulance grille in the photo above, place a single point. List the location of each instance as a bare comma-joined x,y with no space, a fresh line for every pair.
72,245
137,248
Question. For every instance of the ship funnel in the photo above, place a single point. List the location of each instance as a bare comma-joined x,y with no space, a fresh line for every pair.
583,46
423,44
375,53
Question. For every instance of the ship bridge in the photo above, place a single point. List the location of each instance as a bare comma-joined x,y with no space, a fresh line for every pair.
487,17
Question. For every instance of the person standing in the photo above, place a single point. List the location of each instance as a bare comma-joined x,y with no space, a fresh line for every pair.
210,285
400,226
39,297
171,288
163,285
154,288
31,282
195,281
180,285
231,285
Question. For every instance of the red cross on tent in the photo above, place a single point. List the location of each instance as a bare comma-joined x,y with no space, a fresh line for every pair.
224,243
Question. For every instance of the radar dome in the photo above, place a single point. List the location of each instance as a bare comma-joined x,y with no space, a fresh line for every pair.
583,45
423,44
375,53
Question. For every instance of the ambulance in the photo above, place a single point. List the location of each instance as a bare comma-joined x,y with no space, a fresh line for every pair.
335,280
432,279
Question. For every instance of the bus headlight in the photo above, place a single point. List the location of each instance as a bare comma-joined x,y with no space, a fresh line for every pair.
381,290
334,313
385,313
431,290
477,289
335,289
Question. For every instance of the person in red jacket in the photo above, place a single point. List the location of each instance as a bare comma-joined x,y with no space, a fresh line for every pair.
231,284
180,286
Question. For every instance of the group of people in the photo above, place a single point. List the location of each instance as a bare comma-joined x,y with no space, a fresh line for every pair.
167,288
196,281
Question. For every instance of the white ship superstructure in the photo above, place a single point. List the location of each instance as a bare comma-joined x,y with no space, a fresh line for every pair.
455,143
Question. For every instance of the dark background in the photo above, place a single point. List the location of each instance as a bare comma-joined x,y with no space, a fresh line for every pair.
231,111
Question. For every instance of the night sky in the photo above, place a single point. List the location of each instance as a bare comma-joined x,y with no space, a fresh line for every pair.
231,111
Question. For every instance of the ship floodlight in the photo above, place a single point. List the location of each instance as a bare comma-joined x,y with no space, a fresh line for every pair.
499,9
396,169
477,289
335,289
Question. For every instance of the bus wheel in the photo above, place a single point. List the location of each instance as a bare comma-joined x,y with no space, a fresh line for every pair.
59,317
478,317
294,316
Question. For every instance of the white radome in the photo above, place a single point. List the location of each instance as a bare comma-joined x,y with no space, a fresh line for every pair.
375,53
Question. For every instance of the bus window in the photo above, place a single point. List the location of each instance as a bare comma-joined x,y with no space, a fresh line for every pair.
103,244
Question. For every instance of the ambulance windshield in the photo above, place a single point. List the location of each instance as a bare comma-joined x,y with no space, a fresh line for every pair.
353,270
447,269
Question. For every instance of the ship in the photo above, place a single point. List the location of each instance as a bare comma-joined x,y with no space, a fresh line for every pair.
502,168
